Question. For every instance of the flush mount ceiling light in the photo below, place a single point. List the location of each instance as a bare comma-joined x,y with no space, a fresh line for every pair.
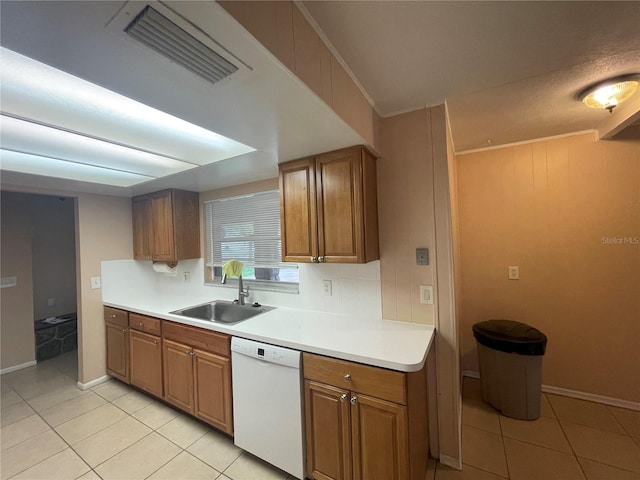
610,93
56,117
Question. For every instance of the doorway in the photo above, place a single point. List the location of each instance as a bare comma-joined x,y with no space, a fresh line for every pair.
44,301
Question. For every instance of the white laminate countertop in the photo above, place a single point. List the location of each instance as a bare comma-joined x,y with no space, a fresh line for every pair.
383,343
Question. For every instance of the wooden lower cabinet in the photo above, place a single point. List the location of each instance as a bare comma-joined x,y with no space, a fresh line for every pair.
198,382
352,434
117,342
380,439
328,426
178,374
145,355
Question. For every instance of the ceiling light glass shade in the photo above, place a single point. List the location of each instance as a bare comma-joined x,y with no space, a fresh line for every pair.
33,90
609,94
27,137
52,167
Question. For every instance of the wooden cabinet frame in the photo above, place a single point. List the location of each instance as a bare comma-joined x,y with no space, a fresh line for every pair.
328,208
166,226
352,434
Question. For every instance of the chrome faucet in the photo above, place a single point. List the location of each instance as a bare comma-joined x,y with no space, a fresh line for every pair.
242,292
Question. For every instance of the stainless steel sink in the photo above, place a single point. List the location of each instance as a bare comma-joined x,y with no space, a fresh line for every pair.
222,311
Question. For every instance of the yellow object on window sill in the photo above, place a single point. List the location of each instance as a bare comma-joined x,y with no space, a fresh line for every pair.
233,268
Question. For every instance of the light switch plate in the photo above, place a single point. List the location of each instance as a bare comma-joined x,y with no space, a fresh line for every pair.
95,283
426,294
422,256
8,282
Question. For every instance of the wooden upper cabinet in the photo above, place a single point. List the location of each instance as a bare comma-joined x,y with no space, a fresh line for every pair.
298,219
141,213
329,209
166,226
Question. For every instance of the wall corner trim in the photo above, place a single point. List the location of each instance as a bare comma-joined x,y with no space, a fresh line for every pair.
451,462
93,383
591,397
18,367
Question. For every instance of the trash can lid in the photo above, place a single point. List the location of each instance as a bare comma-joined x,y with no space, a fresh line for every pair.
511,337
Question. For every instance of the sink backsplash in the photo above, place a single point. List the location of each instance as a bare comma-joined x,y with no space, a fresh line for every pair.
355,287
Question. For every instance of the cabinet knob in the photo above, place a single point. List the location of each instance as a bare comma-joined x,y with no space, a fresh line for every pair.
343,397
320,259
113,315
347,377
141,324
155,342
124,330
314,259
354,400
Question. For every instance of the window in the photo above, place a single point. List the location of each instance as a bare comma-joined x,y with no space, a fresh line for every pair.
247,228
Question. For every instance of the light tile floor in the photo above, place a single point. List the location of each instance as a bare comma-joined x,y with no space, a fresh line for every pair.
572,440
52,430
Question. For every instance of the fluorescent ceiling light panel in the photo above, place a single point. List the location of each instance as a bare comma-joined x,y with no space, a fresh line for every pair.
52,167
28,137
33,90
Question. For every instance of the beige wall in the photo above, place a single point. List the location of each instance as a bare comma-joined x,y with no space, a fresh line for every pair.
414,198
282,28
16,320
406,214
104,232
549,207
54,254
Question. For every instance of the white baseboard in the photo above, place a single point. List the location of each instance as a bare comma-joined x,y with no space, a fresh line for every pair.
93,383
591,397
18,367
452,462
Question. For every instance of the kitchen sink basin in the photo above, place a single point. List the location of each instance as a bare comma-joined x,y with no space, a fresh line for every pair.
223,311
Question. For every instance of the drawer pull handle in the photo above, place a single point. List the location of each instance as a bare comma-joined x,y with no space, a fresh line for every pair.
113,315
343,397
354,400
347,377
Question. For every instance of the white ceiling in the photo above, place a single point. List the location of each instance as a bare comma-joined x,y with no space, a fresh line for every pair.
509,71
265,107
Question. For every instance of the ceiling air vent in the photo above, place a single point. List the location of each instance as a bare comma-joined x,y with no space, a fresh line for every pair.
156,31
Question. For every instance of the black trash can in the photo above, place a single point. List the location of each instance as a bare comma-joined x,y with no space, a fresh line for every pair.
510,355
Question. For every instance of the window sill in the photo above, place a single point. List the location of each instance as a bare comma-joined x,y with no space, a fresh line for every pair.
282,287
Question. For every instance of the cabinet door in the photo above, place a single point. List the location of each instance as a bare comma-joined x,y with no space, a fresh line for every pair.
177,359
162,238
339,198
298,221
379,430
212,380
327,416
141,214
118,351
146,362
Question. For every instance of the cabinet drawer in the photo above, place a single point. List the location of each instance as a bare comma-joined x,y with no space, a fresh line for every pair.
145,324
117,316
374,381
207,340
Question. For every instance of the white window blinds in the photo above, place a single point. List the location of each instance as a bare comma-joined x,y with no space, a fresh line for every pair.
245,228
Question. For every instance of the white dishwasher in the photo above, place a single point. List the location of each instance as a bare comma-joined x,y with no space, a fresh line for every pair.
267,403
